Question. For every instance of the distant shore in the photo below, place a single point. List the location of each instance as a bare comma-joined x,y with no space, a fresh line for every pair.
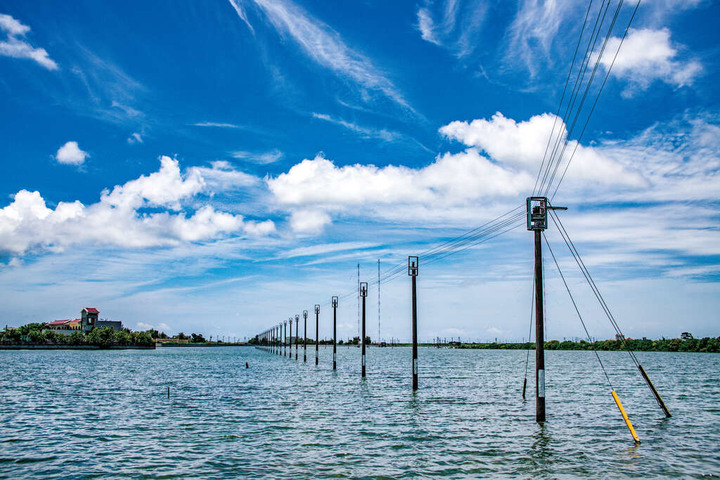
75,347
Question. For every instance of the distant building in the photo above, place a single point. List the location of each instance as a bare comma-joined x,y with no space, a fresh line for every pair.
88,318
87,321
117,326
66,327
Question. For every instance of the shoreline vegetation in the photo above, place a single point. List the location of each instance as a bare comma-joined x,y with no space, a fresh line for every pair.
685,344
699,345
37,336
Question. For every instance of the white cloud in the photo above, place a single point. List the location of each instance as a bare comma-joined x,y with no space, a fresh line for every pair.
222,176
381,134
135,138
16,46
534,28
263,158
522,144
310,221
315,250
323,45
216,125
70,154
117,220
426,25
645,56
461,186
457,27
450,179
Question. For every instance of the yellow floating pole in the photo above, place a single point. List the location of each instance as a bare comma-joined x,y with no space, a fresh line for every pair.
625,417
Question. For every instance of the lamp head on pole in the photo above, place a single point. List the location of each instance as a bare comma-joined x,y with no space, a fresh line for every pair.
305,314
317,308
334,302
363,289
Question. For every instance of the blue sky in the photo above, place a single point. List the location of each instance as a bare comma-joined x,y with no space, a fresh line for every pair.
219,166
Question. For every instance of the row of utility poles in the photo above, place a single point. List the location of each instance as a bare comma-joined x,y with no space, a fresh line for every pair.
537,208
277,340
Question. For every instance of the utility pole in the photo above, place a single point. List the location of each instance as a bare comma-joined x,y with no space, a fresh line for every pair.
537,208
305,313
297,334
413,270
317,333
334,305
363,295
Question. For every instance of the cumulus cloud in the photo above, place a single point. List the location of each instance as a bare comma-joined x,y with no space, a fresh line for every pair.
499,163
645,56
522,145
70,154
309,221
15,45
121,217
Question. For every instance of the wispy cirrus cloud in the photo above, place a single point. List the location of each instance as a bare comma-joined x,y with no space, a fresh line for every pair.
15,44
452,24
366,132
319,42
261,158
216,125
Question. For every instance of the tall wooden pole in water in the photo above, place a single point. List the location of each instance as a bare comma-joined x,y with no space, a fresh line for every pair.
297,334
539,333
334,305
305,337
363,294
317,333
413,267
537,208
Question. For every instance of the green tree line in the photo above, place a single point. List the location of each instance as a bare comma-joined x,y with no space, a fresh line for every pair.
37,334
704,345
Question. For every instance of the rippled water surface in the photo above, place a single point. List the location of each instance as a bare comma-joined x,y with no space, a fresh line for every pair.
107,413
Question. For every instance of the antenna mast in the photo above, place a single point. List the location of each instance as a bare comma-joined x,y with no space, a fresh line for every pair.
378,338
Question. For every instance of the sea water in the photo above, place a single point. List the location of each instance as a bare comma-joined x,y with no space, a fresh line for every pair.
81,414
